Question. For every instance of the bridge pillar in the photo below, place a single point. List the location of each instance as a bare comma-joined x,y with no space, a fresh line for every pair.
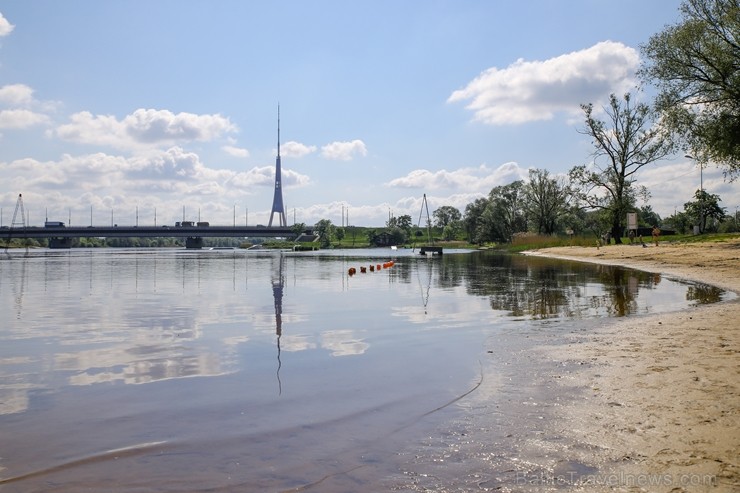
195,243
60,242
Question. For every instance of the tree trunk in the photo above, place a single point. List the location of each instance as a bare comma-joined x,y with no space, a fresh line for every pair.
616,229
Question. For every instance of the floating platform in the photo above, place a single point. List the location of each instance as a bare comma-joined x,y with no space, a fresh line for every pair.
434,250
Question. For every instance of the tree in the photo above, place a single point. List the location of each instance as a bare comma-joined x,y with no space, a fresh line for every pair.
505,214
298,228
695,65
546,198
324,229
473,221
446,215
622,145
706,206
404,222
648,217
449,219
680,221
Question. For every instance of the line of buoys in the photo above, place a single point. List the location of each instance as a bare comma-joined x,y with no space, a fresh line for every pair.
387,265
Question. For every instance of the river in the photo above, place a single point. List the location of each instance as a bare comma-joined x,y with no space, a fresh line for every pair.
164,370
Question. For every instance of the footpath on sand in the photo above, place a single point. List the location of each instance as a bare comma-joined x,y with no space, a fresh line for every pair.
661,392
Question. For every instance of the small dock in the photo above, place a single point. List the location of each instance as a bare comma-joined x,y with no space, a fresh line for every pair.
434,250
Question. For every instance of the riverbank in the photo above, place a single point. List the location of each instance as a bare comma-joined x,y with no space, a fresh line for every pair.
660,394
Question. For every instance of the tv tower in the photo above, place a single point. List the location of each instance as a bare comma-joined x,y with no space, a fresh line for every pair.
277,199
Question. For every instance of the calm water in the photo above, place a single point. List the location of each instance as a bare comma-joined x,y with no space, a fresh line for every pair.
175,370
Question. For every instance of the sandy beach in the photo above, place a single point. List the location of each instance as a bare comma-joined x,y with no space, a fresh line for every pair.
660,409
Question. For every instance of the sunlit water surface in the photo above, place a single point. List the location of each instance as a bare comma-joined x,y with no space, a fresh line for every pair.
174,370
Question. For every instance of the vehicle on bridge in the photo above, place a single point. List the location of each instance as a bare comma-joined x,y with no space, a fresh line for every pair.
53,224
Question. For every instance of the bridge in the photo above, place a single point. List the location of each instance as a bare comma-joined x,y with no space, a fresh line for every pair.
60,236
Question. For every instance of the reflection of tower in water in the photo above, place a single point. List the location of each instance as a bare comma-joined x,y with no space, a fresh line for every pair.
278,282
425,293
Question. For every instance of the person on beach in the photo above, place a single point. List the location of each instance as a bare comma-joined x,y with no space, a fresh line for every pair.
631,236
656,234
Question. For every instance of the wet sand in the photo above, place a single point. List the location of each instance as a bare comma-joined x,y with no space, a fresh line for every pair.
658,403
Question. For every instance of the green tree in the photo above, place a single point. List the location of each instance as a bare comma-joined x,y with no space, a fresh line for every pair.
623,144
648,217
695,65
474,222
404,222
680,222
705,206
499,217
545,200
324,229
449,219
505,213
446,215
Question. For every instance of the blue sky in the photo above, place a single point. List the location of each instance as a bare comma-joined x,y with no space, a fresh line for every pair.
163,105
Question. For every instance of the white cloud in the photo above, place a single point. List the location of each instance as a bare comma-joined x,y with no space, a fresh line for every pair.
296,149
344,151
265,176
21,119
672,185
16,95
164,126
144,128
235,151
481,179
164,176
536,90
5,26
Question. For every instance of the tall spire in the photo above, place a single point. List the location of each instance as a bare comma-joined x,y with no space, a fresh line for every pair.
277,199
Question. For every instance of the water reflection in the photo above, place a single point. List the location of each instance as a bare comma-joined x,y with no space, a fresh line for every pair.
278,282
243,357
134,318
703,293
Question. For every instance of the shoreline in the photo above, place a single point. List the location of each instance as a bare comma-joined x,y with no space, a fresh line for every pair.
658,406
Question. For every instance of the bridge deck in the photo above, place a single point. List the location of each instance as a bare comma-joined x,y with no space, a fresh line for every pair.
148,232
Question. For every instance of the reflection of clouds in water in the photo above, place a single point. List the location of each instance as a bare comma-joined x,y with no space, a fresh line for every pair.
343,343
298,342
138,372
265,322
14,400
462,311
235,340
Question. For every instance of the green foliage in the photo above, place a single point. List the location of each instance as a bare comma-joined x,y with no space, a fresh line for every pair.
546,198
679,222
446,215
695,65
474,223
324,229
705,211
646,216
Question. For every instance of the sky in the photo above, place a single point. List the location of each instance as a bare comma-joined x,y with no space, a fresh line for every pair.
144,112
